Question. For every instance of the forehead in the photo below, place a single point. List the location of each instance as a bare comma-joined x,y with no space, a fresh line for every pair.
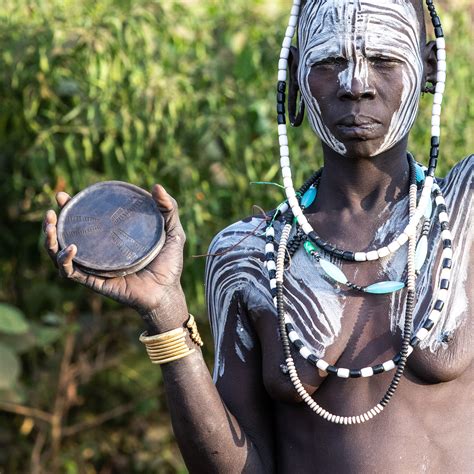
374,24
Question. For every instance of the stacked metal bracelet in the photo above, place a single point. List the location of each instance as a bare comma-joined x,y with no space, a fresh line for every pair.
171,345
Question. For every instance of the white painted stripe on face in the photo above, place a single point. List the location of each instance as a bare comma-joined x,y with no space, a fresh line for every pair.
355,30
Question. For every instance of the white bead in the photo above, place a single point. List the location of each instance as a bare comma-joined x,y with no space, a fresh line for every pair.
284,53
288,182
345,420
358,419
284,151
293,20
271,232
445,274
429,181
286,172
421,334
438,98
307,228
370,415
273,283
283,140
410,350
282,64
293,336
291,195
443,217
446,235
447,253
435,131
295,10
440,87
349,420
343,373
282,129
286,42
373,411
319,410
442,294
290,31
284,161
388,365
402,239
367,372
435,121
281,75
383,252
394,246
435,315
271,265
365,416
292,200
410,230
441,66
305,352
269,248
322,364
441,76
373,255
302,220
436,109
297,212
360,257
441,54
380,407
440,43
440,200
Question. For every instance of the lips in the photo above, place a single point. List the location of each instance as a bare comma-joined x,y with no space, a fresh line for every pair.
358,126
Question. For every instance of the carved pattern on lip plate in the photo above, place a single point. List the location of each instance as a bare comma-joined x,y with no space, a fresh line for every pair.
116,226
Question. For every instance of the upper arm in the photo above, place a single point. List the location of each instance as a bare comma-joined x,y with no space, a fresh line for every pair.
238,361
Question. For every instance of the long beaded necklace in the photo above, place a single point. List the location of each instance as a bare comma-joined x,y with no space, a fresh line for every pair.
292,211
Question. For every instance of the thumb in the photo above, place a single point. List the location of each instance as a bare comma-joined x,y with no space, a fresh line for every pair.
169,209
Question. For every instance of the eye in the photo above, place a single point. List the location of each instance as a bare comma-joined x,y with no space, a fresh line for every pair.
384,62
331,62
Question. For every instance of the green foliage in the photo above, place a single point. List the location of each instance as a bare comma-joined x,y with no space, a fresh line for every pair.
180,93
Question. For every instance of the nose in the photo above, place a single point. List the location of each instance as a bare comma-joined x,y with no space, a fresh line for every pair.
355,88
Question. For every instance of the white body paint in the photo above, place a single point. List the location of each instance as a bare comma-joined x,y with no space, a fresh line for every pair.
240,275
357,30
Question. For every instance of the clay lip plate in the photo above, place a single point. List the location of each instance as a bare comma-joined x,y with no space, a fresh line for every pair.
116,227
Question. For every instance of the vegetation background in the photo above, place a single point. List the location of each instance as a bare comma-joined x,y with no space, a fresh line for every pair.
180,93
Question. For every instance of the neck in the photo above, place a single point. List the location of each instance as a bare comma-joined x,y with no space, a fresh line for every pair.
358,184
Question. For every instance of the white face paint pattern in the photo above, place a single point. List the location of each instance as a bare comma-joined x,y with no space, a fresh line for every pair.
357,30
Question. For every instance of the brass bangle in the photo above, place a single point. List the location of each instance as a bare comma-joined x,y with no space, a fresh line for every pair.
171,345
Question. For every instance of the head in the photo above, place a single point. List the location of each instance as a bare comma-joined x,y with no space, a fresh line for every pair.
360,69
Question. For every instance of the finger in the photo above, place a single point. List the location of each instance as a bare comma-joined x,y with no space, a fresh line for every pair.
51,241
169,209
64,259
62,198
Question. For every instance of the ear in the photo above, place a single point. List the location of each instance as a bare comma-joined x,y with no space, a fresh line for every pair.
430,64
295,116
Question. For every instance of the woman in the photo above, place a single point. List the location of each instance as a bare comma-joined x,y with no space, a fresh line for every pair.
360,69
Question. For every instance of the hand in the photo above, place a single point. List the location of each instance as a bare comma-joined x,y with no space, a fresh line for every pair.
155,289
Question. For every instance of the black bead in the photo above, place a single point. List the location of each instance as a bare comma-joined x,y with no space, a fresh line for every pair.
289,327
281,119
444,225
414,341
298,344
444,285
436,21
353,373
434,141
281,87
270,238
270,256
431,172
329,248
281,97
349,256
439,305
397,359
331,369
313,237
280,108
442,208
338,253
378,369
429,323
439,32
433,163
447,263
447,244
434,152
274,292
313,359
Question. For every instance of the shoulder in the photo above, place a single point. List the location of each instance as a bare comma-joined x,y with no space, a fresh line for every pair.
459,178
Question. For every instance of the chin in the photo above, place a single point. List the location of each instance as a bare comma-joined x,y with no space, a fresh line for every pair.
362,148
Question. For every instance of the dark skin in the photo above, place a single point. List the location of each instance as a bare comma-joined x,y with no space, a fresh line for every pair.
257,424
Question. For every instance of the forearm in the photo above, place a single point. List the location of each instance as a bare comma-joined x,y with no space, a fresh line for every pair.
209,436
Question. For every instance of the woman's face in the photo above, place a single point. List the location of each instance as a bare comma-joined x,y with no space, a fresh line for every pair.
360,72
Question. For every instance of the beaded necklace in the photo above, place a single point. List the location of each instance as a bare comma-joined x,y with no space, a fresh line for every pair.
292,212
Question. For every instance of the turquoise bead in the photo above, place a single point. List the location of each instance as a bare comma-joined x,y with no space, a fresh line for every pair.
420,174
332,271
383,287
310,247
429,209
421,252
309,197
